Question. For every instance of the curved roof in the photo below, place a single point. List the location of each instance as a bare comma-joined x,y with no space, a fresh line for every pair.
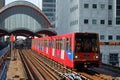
29,5
27,10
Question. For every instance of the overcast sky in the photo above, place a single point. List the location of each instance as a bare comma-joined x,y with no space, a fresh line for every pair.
36,2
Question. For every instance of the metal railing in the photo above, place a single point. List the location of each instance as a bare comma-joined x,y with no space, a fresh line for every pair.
4,71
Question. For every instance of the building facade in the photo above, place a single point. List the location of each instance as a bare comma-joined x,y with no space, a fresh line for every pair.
49,9
100,16
2,3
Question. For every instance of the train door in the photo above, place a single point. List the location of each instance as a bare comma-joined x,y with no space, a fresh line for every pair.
69,52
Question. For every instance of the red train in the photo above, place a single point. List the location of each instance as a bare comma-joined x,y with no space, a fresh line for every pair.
72,50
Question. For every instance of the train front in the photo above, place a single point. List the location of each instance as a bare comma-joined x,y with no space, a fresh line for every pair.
87,50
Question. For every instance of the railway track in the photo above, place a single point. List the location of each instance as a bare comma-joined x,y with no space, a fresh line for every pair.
91,74
58,67
38,61
94,75
37,69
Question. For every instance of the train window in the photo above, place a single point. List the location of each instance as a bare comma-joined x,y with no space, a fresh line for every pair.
54,43
38,42
86,43
94,45
57,45
68,44
63,44
60,44
42,43
78,45
47,43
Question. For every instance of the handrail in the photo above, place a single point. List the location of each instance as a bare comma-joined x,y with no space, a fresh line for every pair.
3,74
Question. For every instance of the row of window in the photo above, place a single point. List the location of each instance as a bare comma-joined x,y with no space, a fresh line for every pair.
48,10
49,0
74,8
94,21
110,37
57,43
49,5
49,14
118,12
95,6
75,22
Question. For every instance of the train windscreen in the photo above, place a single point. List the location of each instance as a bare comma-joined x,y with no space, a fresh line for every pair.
85,42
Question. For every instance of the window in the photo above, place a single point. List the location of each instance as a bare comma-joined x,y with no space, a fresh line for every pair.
86,21
113,58
74,8
68,44
109,22
118,7
102,6
118,1
86,5
49,14
94,21
75,22
118,21
49,0
109,7
118,13
94,6
118,37
102,37
102,22
110,37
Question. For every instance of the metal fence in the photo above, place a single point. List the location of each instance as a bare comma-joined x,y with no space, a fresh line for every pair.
4,71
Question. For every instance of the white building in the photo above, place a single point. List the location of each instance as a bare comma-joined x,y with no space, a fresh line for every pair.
49,9
100,16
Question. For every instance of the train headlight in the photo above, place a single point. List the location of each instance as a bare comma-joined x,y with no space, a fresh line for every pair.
96,57
76,57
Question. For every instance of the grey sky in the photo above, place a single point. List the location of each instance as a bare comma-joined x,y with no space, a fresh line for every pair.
36,2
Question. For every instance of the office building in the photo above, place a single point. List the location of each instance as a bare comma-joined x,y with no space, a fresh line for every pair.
99,16
49,9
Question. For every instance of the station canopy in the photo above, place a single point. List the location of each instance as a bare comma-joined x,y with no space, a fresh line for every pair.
24,18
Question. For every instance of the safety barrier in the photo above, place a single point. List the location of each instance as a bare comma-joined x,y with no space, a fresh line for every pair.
3,73
3,67
4,50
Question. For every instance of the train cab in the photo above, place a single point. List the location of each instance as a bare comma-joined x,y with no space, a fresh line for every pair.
86,49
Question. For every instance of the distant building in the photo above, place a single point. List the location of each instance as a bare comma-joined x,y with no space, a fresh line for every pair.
49,9
2,3
100,16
